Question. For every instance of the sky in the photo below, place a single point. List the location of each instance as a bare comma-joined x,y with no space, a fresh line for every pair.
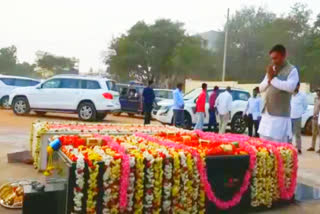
84,29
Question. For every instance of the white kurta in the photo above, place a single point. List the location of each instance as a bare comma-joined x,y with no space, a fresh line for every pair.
224,103
274,127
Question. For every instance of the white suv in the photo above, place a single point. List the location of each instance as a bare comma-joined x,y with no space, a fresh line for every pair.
91,97
8,83
164,111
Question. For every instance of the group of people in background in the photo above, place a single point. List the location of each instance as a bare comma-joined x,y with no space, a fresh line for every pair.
277,118
219,103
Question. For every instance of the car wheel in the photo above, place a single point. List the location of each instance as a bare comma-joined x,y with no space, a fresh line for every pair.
101,116
21,106
130,114
308,127
238,124
187,121
40,113
5,102
87,111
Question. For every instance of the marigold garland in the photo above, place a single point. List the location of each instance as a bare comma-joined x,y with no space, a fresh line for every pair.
167,174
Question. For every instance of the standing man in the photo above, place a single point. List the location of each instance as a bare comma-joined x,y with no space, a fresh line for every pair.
201,107
212,111
315,127
178,106
279,83
224,106
299,106
148,99
253,112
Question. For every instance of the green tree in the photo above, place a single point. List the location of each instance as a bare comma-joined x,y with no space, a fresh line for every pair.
9,64
161,51
316,25
49,64
253,31
8,60
247,44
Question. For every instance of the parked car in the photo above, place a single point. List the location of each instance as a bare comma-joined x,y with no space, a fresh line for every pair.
8,83
131,98
164,112
91,97
306,121
163,94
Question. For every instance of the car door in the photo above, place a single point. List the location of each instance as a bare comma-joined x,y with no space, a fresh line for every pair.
133,100
6,86
123,90
68,93
45,95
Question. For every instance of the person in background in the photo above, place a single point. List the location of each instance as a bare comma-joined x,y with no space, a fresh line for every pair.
201,107
224,106
148,100
178,106
212,109
315,127
299,106
253,112
279,83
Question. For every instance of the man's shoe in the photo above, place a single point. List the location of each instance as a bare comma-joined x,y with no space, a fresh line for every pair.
299,151
318,151
310,149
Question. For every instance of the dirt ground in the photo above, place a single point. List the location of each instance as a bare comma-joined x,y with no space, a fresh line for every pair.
14,137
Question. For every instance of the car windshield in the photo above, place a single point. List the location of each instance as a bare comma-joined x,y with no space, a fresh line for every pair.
111,85
163,94
192,94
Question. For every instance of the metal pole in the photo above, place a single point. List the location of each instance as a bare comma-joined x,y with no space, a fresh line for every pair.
225,48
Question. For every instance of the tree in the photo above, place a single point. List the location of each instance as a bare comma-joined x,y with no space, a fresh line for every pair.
160,51
8,59
253,31
9,64
49,64
316,25
246,47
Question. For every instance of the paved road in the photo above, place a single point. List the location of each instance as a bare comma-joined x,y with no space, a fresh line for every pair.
14,136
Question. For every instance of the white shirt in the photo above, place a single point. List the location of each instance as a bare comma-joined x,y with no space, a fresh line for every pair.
299,105
254,107
273,126
224,103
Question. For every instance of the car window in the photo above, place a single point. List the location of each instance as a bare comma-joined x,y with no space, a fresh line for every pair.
69,83
25,83
140,90
132,92
33,83
54,83
192,94
161,94
240,95
8,81
111,85
89,84
123,91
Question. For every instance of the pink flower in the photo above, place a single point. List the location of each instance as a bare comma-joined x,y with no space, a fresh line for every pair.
125,169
